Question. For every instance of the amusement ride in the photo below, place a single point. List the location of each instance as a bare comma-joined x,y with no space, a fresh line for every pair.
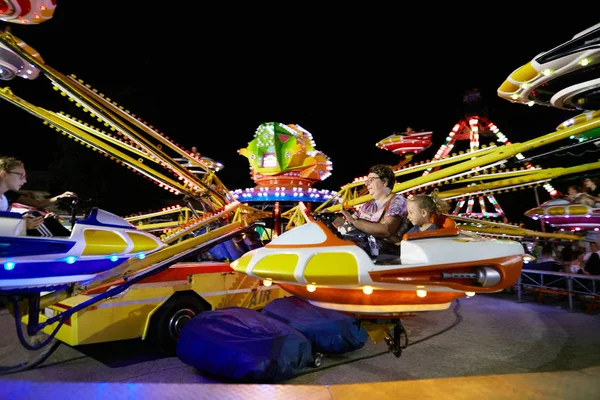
431,269
566,78
284,164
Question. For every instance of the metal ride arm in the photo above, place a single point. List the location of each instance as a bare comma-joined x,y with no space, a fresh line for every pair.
297,216
240,216
474,163
138,146
183,215
477,171
527,179
490,228
132,135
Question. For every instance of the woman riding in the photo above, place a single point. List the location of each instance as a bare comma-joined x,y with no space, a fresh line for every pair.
385,215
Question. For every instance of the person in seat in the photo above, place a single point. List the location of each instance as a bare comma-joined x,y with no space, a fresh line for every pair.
12,178
378,225
574,195
423,210
385,215
592,190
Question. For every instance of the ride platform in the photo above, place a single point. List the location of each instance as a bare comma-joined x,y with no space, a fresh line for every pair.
488,346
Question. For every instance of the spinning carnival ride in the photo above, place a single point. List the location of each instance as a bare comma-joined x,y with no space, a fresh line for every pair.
300,260
302,257
566,77
406,144
285,165
473,128
104,248
26,11
434,268
97,244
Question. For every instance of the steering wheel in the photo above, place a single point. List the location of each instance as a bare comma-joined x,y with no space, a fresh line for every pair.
354,235
360,238
70,201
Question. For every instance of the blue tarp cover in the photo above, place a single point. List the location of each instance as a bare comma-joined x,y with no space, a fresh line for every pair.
329,331
243,345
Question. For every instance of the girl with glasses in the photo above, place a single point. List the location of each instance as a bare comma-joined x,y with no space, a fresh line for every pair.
12,178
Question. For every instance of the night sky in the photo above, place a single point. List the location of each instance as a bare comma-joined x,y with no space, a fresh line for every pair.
210,77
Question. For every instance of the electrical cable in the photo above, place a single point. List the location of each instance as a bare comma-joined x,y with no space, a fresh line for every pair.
50,345
457,320
22,339
31,364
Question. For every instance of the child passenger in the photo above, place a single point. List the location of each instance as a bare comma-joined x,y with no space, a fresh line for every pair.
423,210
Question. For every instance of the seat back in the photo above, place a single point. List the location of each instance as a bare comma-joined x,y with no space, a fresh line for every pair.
444,221
441,232
12,224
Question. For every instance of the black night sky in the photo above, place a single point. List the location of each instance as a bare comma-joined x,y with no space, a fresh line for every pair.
209,77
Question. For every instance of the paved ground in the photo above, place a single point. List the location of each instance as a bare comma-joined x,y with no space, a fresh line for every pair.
492,336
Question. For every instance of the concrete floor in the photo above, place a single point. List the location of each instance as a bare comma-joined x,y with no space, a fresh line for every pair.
497,347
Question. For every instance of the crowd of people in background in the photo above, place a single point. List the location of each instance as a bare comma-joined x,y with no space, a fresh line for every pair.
577,258
582,257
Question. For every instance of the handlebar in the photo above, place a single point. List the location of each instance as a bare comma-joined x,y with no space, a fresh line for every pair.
70,200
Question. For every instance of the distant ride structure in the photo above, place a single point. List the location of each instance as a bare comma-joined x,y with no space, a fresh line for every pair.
26,11
284,164
565,77
406,144
475,126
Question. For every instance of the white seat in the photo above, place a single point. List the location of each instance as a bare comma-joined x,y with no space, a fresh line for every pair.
12,224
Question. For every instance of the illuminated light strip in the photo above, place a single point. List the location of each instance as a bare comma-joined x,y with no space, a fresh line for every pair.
283,189
113,153
100,149
480,223
446,160
91,109
448,178
104,135
494,175
175,209
195,223
559,225
459,205
285,195
486,191
117,303
481,215
85,142
445,148
470,205
495,203
482,204
502,235
182,174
